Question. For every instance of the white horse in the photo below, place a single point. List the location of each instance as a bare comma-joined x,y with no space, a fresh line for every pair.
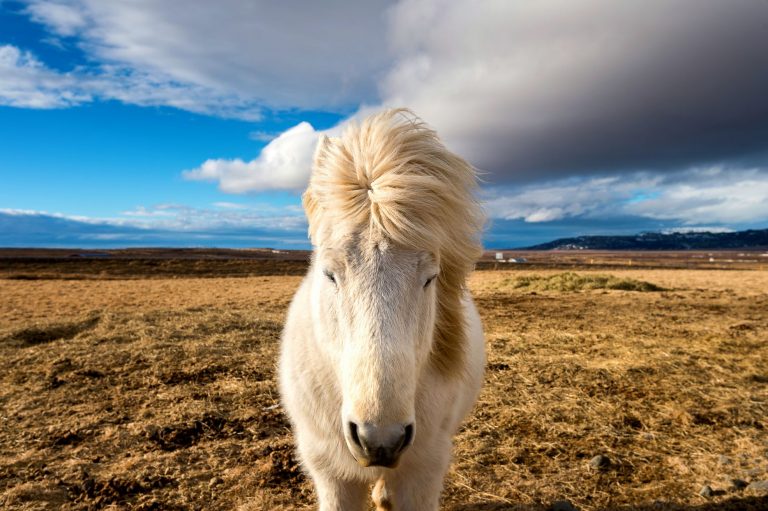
383,351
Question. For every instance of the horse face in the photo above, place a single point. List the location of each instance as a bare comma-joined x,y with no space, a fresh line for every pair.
380,303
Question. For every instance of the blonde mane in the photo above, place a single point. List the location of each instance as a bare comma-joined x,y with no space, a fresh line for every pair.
391,174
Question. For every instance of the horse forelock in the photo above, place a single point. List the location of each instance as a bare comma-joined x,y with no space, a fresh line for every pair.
392,176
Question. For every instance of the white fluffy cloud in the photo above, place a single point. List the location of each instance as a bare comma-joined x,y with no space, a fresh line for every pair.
283,164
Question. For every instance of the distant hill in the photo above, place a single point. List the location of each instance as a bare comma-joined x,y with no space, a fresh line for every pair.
751,239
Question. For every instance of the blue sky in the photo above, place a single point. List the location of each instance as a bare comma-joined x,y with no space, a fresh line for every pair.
189,124
106,157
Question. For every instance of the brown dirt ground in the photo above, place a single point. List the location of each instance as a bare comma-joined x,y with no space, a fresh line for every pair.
160,393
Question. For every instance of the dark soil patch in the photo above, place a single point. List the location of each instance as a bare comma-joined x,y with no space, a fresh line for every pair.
98,494
179,436
33,336
280,467
199,376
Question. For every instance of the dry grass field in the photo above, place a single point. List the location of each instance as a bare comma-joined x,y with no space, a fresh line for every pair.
159,393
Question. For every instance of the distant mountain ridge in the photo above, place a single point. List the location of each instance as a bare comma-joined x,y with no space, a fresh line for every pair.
750,239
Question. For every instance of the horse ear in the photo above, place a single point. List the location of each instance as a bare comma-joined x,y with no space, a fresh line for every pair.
321,152
308,199
310,208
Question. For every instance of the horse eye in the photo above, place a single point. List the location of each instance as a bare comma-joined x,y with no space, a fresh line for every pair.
330,276
429,281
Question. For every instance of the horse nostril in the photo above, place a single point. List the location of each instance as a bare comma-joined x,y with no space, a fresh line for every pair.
405,440
354,435
408,436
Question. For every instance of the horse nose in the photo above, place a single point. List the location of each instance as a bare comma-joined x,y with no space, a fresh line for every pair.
375,445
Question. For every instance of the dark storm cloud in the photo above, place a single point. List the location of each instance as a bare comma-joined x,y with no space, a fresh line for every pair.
549,89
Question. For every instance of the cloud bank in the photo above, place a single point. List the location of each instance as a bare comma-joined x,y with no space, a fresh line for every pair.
571,109
537,91
702,196
159,225
26,82
232,58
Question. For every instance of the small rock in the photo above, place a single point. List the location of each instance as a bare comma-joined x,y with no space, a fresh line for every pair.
563,505
758,486
723,460
600,462
706,491
215,482
738,484
753,472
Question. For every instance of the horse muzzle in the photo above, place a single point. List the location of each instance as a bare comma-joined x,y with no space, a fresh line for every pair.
378,446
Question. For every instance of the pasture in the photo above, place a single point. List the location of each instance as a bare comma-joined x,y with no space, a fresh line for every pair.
157,391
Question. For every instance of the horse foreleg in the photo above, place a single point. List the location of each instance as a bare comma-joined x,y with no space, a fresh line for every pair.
337,495
381,496
411,489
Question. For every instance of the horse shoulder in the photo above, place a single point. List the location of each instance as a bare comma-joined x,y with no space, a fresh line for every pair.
475,351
